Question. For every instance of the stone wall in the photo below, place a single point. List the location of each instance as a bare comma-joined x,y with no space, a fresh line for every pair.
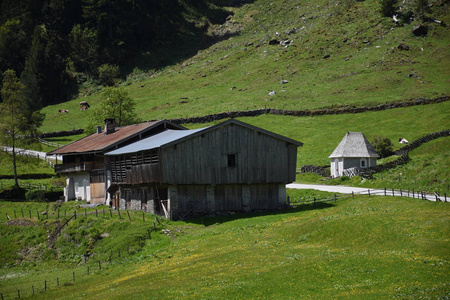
306,113
404,151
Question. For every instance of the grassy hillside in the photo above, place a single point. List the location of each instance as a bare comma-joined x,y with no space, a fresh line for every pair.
365,65
371,248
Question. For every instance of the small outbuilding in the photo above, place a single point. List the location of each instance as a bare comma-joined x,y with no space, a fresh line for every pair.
354,151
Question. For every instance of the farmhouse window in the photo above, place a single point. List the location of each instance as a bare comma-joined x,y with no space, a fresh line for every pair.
232,160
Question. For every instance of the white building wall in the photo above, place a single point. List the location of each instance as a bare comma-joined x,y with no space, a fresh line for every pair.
78,187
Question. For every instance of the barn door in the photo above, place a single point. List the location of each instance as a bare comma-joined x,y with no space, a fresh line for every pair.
161,202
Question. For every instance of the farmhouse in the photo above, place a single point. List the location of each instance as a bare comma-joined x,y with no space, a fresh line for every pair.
229,167
84,163
354,151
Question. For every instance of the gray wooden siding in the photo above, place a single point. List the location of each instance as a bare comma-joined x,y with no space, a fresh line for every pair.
203,159
191,198
264,196
228,197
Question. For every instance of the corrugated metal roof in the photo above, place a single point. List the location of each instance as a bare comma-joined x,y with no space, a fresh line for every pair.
354,144
99,142
155,141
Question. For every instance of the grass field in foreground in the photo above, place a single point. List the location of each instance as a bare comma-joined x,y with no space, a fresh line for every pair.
361,248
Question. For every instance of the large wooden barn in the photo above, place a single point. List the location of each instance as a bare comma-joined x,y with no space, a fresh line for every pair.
225,168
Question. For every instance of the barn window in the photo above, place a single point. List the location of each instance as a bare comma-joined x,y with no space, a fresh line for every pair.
232,160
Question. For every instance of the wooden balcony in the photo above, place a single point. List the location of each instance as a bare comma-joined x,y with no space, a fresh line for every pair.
75,167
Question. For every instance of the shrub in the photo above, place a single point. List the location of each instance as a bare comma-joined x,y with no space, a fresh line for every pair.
383,146
35,195
107,74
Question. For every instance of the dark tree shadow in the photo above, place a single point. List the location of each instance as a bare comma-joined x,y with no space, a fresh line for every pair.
212,220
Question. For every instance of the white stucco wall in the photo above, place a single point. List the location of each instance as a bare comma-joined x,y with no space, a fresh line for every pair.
78,187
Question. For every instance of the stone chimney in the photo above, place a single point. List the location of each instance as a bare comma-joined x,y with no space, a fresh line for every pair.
110,126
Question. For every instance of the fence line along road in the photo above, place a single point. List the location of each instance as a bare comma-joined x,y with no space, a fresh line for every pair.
365,191
36,154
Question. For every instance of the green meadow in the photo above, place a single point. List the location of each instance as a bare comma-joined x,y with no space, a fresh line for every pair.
356,248
339,54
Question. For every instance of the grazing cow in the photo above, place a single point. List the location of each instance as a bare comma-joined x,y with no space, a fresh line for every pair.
63,111
403,141
84,105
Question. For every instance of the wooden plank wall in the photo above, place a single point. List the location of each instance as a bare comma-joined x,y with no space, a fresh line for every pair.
260,158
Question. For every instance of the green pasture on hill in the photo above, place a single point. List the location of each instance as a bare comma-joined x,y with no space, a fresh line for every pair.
364,67
356,248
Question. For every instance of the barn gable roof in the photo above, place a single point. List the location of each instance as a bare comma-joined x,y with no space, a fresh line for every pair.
171,137
101,142
354,144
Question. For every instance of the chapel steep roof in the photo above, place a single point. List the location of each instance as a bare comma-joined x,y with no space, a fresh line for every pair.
354,144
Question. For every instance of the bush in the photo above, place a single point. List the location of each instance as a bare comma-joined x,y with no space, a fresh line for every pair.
35,195
383,146
107,74
13,194
42,195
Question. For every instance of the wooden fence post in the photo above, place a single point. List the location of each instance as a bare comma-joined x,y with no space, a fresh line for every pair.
392,192
45,285
57,281
143,216
385,191
128,212
368,192
73,277
353,194
401,194
18,294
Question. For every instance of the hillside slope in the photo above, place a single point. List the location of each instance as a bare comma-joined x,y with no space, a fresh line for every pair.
330,54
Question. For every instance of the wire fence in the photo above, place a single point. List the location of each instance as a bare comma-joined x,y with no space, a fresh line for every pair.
90,264
94,263
417,194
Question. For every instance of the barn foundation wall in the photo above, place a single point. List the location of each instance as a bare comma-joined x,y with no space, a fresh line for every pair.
185,201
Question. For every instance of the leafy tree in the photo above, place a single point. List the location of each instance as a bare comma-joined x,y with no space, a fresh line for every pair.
13,121
383,146
108,74
84,48
115,104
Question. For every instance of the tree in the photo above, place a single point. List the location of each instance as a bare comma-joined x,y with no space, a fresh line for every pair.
115,104
383,146
13,121
108,74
